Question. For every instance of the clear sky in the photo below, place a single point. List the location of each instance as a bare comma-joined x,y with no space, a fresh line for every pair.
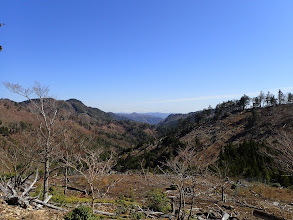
148,55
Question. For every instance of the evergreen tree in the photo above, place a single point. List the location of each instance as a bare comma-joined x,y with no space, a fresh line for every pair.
273,100
244,101
290,98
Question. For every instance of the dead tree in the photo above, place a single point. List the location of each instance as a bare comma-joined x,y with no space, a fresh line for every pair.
68,147
45,109
222,173
285,148
183,171
16,192
17,156
93,167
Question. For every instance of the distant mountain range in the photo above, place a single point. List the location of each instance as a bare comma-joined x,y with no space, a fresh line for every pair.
152,118
105,129
210,132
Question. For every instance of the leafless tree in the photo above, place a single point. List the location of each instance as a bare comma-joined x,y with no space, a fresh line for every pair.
222,173
184,169
281,97
93,167
70,143
17,157
16,190
45,109
285,147
261,98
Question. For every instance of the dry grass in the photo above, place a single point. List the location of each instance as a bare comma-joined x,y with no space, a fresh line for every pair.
267,192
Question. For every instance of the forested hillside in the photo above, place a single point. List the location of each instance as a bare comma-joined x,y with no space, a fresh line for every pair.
240,139
18,117
232,124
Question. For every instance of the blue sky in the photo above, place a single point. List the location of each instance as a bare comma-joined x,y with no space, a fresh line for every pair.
148,55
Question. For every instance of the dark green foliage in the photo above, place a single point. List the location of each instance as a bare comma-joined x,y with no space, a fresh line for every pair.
185,123
244,101
254,119
4,131
81,213
158,201
247,161
131,162
57,195
137,215
24,125
123,206
166,149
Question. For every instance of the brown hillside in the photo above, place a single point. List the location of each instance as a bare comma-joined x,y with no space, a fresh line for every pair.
86,120
262,126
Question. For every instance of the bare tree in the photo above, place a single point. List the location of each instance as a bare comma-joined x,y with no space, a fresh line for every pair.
184,169
16,189
268,98
17,157
66,151
221,171
70,146
93,167
261,98
256,102
45,109
281,97
285,148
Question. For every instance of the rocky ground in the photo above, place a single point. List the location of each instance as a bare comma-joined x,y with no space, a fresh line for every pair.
15,212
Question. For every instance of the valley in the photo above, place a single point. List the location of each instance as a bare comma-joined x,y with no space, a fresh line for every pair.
229,161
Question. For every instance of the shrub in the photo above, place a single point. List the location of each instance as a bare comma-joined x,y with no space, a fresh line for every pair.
57,195
158,201
123,207
137,215
81,213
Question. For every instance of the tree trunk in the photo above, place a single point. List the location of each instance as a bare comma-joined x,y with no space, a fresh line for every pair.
223,195
93,202
180,203
46,177
93,196
66,181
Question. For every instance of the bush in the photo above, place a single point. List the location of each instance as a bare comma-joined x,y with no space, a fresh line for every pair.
81,213
158,201
137,215
57,195
123,206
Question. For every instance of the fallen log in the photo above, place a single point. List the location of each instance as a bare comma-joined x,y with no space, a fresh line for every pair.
265,215
76,189
152,214
103,213
244,204
48,205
